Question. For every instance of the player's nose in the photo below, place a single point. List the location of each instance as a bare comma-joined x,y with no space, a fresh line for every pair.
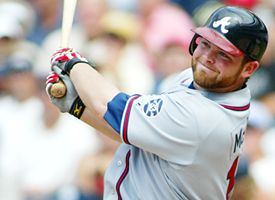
210,56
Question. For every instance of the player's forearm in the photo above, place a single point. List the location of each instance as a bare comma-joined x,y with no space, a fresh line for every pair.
101,125
92,88
95,92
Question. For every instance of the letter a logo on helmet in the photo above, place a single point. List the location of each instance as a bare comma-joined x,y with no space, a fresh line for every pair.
223,23
235,30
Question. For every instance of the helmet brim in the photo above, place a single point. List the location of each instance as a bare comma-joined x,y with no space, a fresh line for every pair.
218,39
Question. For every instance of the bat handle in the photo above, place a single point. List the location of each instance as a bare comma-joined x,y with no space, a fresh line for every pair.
58,89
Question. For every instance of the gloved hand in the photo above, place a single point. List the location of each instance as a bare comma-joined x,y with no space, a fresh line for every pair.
66,58
71,102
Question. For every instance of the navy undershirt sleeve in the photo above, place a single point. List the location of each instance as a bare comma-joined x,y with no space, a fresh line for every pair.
115,109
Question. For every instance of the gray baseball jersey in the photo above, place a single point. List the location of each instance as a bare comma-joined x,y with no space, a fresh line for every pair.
181,144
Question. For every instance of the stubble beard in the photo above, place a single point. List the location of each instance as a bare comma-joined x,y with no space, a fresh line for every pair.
211,83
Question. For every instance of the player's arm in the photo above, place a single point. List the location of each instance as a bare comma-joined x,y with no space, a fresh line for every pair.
72,104
92,88
89,117
88,93
95,93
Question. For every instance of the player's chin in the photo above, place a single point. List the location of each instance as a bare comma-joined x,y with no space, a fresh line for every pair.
204,80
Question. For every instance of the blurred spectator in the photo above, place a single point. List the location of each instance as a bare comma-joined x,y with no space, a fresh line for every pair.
263,173
171,59
48,18
90,176
17,123
189,5
245,189
161,22
88,184
202,12
262,84
57,153
123,5
263,168
87,28
38,156
19,11
90,13
118,55
253,172
258,138
166,43
205,8
267,143
248,4
15,22
260,116
109,37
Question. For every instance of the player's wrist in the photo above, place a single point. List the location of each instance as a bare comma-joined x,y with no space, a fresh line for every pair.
77,108
71,63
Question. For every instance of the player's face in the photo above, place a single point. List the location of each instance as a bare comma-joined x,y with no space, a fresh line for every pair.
215,69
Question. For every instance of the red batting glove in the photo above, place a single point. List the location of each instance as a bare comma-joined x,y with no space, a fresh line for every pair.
65,59
52,78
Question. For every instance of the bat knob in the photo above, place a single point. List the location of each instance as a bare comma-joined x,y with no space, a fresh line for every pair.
58,90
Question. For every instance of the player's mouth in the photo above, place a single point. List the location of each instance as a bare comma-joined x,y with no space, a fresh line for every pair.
206,68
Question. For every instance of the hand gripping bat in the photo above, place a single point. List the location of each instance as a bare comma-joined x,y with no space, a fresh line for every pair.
58,89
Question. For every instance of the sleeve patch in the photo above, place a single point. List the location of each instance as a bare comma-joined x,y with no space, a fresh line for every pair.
153,107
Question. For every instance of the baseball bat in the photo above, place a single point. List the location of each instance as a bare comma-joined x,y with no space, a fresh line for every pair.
58,89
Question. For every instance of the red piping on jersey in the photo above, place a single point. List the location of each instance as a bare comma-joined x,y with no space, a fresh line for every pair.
124,174
231,177
126,120
235,108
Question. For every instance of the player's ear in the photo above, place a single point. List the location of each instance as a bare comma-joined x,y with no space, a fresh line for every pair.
249,68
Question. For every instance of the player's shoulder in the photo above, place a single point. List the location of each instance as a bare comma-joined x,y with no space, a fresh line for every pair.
183,78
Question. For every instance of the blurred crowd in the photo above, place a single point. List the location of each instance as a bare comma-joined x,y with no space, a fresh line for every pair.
137,44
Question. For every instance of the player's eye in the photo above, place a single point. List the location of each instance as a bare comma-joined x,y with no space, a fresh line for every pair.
204,43
224,56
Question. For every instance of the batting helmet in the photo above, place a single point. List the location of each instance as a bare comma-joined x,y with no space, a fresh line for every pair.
235,30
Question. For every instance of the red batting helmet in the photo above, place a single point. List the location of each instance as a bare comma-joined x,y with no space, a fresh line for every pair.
235,30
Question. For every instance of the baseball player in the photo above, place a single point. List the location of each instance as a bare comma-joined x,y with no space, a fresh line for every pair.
184,143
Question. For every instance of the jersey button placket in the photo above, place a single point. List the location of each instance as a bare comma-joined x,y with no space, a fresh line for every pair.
119,163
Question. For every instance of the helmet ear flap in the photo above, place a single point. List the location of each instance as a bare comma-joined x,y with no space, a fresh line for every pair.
193,44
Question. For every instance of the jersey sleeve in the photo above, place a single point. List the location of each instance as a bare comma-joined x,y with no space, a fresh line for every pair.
115,110
116,106
162,125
